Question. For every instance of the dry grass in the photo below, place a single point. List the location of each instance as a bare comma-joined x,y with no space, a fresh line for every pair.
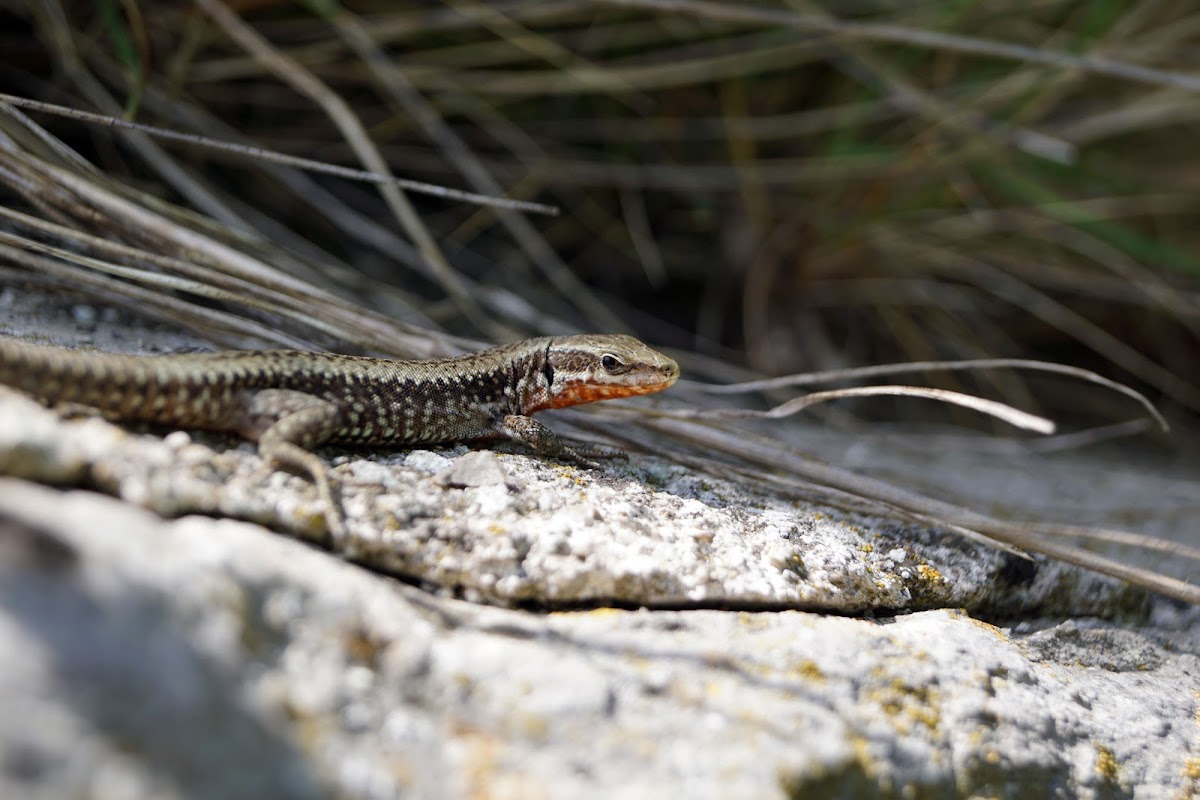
768,187
906,182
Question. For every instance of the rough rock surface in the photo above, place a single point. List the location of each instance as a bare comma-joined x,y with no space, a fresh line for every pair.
212,658
513,529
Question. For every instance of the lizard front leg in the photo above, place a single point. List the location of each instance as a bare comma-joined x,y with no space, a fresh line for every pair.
541,439
287,424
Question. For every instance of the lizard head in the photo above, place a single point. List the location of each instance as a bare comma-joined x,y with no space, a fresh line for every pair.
583,369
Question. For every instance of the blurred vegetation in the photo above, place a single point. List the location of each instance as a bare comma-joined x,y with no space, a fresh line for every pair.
790,186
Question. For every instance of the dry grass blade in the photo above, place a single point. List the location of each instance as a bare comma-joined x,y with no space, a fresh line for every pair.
1032,301
229,329
829,376
732,12
305,82
53,143
247,151
226,270
394,83
1013,416
1109,536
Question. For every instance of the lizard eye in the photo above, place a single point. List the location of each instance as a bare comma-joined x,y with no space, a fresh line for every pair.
610,362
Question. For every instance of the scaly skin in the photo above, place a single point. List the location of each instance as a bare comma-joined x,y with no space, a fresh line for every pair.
290,402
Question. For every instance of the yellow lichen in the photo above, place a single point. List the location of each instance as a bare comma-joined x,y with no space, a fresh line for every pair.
752,620
986,626
929,574
908,705
809,670
1106,763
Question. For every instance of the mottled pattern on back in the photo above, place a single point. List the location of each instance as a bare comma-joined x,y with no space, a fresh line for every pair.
380,401
414,402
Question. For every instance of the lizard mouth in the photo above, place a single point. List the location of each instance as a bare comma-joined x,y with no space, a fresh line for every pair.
578,392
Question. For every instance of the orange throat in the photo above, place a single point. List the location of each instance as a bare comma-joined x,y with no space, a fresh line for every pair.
579,392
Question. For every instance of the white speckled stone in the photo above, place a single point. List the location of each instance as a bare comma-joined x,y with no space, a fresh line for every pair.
211,658
541,532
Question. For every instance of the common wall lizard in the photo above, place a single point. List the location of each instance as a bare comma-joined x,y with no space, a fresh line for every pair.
290,401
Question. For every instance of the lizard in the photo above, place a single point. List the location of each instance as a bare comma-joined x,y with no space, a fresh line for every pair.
289,401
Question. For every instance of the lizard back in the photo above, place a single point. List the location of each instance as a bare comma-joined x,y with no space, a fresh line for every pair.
380,400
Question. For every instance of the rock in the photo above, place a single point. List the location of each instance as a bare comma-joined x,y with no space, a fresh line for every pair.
211,658
514,529
473,470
